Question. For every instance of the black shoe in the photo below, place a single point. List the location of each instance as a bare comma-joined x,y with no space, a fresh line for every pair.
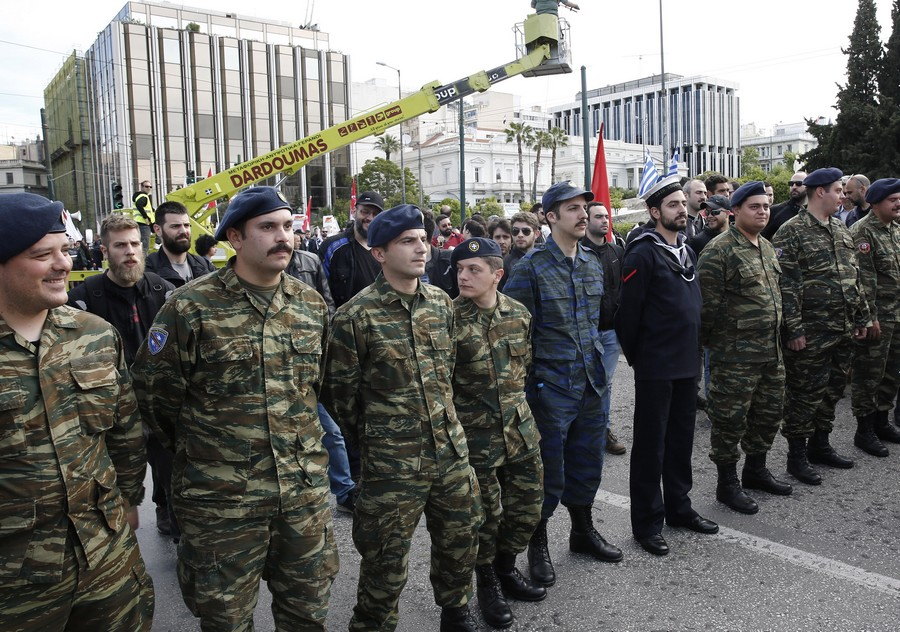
491,601
757,476
696,523
349,503
654,544
163,524
540,566
613,445
584,537
883,428
798,463
513,583
730,492
457,619
821,452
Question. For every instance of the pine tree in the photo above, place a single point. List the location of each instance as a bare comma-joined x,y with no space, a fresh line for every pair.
889,101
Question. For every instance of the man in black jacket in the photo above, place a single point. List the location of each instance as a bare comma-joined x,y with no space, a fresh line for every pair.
780,213
718,210
172,261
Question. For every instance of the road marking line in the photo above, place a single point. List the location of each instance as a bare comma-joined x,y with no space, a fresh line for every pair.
798,557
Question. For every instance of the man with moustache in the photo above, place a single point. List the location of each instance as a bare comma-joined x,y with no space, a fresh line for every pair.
227,379
741,326
500,230
561,285
128,297
780,213
172,261
658,325
525,231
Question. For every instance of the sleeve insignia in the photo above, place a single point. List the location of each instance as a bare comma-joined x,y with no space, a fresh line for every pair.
865,248
156,339
778,252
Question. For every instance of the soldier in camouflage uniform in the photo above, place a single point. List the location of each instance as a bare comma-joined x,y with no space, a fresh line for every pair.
824,309
72,458
227,379
876,360
740,324
387,383
493,354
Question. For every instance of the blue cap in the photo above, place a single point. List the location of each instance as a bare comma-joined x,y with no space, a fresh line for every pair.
880,189
823,177
754,187
563,191
717,203
475,247
248,204
388,224
25,218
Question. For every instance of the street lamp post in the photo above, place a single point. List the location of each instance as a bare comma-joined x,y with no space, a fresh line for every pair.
402,166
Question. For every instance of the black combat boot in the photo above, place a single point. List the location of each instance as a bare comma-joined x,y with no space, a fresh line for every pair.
583,538
757,476
798,463
613,445
491,601
821,452
458,619
540,566
883,428
513,583
865,438
730,492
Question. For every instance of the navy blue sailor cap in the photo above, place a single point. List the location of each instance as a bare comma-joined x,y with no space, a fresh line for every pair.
880,189
754,187
475,247
25,218
248,204
823,177
388,224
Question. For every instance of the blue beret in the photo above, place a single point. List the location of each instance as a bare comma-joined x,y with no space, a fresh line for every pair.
475,247
248,204
716,203
823,177
390,223
562,191
754,187
880,189
25,218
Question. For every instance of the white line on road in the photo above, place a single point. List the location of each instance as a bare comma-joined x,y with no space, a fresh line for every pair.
828,566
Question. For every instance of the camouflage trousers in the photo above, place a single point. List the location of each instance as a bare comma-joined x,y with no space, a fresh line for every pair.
815,379
386,515
512,495
221,561
116,596
745,408
876,372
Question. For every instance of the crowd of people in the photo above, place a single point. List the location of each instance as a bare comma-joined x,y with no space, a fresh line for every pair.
411,368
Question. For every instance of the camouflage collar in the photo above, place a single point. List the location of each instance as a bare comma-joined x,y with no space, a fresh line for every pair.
233,284
387,293
63,317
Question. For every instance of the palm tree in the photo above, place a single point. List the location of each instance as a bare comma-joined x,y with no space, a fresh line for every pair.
541,140
522,134
558,138
387,144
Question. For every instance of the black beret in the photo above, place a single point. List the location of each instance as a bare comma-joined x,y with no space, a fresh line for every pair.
663,188
25,218
390,223
754,187
370,198
563,191
248,204
880,189
823,177
716,203
475,247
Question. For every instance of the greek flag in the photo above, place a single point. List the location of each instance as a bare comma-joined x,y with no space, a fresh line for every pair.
673,166
650,176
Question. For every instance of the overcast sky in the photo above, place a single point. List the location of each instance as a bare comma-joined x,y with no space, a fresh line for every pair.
785,56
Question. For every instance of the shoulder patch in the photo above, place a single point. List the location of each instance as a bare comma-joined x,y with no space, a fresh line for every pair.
156,339
778,252
865,248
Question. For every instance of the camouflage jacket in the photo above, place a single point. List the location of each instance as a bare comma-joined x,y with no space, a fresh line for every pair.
230,384
493,355
741,316
387,378
820,285
878,253
71,448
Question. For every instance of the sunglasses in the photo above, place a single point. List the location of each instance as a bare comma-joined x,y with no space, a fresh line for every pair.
795,183
524,231
716,211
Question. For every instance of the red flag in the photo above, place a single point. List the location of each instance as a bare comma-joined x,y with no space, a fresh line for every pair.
212,204
600,182
308,213
353,195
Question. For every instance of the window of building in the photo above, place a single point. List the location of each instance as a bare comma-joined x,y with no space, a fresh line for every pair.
9,178
477,174
779,150
230,58
37,179
171,51
446,175
790,148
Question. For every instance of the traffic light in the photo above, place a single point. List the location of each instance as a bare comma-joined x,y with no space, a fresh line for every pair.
191,177
117,200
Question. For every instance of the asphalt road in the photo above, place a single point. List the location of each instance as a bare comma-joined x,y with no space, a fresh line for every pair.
824,558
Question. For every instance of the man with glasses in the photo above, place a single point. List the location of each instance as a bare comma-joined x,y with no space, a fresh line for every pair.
143,213
780,213
525,228
718,210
